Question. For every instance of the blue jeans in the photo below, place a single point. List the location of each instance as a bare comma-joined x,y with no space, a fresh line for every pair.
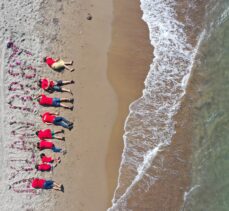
56,102
56,149
48,184
61,121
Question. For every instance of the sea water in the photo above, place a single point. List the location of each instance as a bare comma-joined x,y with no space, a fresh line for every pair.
180,44
210,144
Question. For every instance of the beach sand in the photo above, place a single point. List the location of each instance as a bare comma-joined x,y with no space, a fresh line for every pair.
102,49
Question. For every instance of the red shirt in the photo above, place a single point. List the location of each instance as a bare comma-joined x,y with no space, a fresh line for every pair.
44,100
46,145
45,134
46,84
44,167
47,117
46,159
50,61
38,183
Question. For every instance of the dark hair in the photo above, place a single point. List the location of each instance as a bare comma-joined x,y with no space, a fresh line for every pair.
37,132
44,59
39,83
38,145
36,166
42,155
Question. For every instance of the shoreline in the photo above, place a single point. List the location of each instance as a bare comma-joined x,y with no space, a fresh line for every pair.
127,70
93,149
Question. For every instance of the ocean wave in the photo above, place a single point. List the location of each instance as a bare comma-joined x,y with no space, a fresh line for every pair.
149,126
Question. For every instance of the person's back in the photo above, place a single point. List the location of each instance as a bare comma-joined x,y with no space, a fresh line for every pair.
38,183
44,100
48,117
45,145
44,167
44,134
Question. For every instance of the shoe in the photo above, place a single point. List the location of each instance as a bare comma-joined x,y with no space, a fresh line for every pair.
72,62
72,82
72,70
62,188
71,100
63,138
71,108
64,152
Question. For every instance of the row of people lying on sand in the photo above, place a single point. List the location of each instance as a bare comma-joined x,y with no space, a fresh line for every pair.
48,162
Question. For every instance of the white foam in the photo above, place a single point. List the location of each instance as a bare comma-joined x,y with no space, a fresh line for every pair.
149,124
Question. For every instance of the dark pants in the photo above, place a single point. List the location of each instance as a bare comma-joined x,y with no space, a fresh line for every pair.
61,121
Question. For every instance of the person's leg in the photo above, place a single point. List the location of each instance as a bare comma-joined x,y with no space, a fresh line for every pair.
67,82
71,69
71,100
58,131
59,138
58,185
66,106
61,121
66,90
66,121
56,149
56,188
57,88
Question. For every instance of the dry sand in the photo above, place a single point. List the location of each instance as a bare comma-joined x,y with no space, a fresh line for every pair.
90,168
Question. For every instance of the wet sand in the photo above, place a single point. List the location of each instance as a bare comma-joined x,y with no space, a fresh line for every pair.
101,49
129,57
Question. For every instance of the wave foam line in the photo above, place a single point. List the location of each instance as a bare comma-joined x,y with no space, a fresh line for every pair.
149,125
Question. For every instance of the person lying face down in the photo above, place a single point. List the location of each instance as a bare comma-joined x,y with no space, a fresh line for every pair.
55,102
38,183
47,145
52,86
51,118
58,64
49,134
46,159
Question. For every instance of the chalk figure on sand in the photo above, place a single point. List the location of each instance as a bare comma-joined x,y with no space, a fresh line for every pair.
54,101
51,118
58,64
50,134
52,86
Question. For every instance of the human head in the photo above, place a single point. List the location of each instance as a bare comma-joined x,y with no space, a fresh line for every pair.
44,59
38,145
37,132
42,155
36,166
39,83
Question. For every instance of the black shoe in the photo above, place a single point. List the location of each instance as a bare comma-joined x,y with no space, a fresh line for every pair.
62,188
72,82
71,100
71,108
63,138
